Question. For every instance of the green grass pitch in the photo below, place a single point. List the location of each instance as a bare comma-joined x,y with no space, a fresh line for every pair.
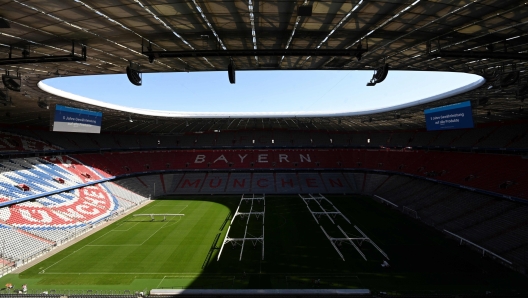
137,254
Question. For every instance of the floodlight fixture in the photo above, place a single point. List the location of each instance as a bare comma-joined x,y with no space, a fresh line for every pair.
11,82
130,119
509,79
43,104
134,75
231,72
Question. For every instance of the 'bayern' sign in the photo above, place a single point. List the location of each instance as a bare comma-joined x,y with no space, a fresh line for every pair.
77,120
453,116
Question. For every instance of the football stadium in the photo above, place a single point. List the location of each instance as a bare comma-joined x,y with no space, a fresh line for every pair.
427,198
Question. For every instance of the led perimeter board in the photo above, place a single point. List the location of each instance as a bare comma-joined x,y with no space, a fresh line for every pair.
455,116
76,120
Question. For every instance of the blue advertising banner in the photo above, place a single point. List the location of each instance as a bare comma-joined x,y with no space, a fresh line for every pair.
455,116
77,120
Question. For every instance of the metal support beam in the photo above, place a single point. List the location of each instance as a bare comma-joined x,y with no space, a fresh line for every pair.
255,52
45,59
479,55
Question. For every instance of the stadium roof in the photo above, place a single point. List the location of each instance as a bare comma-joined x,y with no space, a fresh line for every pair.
486,37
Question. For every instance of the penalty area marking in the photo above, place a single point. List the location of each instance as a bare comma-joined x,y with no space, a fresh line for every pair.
139,244
165,276
89,244
115,230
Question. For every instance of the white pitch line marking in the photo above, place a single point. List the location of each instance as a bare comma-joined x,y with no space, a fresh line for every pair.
89,244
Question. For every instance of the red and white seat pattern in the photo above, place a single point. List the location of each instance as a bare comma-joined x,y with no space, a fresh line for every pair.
51,219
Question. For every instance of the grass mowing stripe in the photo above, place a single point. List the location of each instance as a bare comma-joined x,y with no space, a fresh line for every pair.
172,253
115,245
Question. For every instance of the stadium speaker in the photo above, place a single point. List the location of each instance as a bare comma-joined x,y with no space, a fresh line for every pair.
43,104
523,90
490,76
359,54
134,76
483,100
11,82
4,98
305,11
231,72
381,73
509,79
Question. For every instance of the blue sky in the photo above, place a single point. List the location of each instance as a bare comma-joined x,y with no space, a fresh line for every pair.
264,91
